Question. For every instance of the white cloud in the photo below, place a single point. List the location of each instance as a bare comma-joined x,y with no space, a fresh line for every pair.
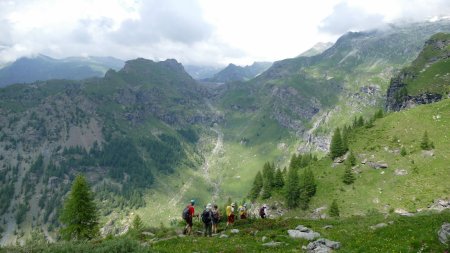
192,31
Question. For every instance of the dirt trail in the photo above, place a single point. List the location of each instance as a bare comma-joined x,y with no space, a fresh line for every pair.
178,196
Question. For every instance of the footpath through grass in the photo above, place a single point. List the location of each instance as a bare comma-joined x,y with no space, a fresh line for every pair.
402,234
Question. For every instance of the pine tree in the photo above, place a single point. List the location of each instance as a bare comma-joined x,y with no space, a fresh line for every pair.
351,159
257,186
336,147
403,151
137,223
334,209
266,190
268,180
79,215
345,133
425,143
307,188
269,174
379,114
360,121
279,180
348,177
292,189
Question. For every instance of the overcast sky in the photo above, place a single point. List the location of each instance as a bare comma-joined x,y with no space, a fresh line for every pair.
193,31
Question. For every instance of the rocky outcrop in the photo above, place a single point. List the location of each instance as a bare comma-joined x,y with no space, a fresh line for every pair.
303,232
322,245
435,50
444,234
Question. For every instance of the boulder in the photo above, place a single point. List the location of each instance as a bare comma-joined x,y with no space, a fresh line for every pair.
322,245
234,231
440,205
427,153
223,236
403,212
400,172
379,225
444,234
378,165
303,235
272,244
328,227
148,234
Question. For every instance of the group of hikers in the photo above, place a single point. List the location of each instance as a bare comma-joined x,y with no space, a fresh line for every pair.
211,216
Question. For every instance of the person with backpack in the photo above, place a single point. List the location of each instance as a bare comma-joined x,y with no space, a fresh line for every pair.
263,211
230,214
188,214
243,211
207,219
215,218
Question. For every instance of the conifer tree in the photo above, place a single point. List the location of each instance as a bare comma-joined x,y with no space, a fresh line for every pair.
336,146
403,151
425,143
307,188
137,223
360,121
79,215
266,190
351,159
257,186
292,189
334,209
345,132
379,114
279,180
348,177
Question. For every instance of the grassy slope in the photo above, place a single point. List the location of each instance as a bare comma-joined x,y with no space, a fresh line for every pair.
406,234
427,177
431,68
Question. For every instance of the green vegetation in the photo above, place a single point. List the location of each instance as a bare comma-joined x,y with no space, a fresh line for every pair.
334,209
79,215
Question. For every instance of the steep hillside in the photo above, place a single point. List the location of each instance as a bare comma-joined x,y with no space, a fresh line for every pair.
414,179
237,73
199,72
310,96
42,68
126,132
427,79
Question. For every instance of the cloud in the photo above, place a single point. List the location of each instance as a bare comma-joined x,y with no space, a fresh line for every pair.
169,20
348,18
351,15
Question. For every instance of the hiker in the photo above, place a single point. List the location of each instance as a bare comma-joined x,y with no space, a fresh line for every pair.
263,211
207,218
188,214
215,218
230,214
243,211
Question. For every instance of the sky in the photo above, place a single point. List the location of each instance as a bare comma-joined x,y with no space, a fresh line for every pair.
200,32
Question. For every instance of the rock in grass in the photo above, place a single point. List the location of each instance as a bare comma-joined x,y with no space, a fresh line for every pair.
328,227
379,225
272,244
322,245
234,231
293,233
444,234
223,236
150,234
264,238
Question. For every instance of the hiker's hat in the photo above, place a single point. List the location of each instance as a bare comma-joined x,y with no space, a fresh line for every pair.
192,201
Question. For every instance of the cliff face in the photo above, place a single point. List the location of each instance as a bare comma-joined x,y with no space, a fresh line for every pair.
427,80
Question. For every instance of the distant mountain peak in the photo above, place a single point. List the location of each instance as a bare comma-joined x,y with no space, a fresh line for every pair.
318,48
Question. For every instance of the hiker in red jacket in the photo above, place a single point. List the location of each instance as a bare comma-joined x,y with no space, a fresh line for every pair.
188,214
